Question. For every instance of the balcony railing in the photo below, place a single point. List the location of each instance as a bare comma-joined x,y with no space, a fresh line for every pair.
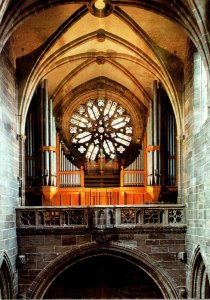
101,216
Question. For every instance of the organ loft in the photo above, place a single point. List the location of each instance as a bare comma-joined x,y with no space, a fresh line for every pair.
100,150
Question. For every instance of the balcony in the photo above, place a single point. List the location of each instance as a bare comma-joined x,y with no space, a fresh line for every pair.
144,216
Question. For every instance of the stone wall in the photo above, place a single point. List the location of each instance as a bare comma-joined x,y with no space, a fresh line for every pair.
196,158
8,163
49,251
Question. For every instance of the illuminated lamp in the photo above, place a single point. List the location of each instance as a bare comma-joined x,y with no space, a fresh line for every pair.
100,8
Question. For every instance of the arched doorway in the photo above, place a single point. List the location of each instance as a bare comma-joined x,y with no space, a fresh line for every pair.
103,277
100,270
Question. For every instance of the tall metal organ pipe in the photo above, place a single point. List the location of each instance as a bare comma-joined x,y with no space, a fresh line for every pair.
149,143
46,132
42,132
137,165
154,136
68,180
54,152
48,138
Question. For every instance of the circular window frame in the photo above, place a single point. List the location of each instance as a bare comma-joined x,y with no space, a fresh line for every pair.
101,127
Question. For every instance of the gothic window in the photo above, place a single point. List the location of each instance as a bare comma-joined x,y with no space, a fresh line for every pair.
101,125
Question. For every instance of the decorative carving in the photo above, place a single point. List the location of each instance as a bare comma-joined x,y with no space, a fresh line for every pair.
76,217
100,60
101,35
175,215
21,260
182,293
153,216
128,216
100,217
27,218
102,237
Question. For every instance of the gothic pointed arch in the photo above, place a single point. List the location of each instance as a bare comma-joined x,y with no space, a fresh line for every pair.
199,281
6,278
115,121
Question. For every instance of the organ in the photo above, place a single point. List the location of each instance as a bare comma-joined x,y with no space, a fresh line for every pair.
103,165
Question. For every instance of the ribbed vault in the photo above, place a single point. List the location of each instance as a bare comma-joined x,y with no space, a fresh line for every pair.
63,42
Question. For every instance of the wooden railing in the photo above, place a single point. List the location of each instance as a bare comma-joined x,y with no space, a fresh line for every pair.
101,216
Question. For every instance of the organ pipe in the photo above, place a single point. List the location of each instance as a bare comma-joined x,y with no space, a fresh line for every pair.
149,143
133,178
154,137
48,138
42,132
46,133
69,179
46,114
154,129
54,153
50,143
159,132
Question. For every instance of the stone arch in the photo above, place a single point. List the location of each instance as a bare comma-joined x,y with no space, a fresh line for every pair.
6,278
114,90
37,73
199,277
45,278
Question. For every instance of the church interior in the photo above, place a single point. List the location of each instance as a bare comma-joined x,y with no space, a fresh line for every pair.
104,149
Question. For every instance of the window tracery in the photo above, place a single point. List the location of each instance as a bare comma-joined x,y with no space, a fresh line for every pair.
101,124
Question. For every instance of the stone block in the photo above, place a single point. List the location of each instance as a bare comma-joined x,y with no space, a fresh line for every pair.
157,235
45,249
152,242
52,240
68,240
35,240
159,249
83,239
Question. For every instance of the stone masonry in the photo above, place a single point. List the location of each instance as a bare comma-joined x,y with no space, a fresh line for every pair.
9,166
44,247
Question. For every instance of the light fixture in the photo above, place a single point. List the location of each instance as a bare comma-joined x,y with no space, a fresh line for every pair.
100,4
100,8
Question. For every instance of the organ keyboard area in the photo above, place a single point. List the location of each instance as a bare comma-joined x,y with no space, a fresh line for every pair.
52,177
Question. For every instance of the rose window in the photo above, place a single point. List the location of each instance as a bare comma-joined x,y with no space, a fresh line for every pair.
101,126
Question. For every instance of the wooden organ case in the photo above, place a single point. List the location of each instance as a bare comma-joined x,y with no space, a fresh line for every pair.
52,177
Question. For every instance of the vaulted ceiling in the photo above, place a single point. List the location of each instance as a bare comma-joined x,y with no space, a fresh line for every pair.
73,44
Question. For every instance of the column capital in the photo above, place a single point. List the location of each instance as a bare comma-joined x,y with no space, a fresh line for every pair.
21,137
180,138
152,148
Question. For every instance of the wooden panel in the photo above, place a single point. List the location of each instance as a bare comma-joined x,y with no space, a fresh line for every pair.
100,196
